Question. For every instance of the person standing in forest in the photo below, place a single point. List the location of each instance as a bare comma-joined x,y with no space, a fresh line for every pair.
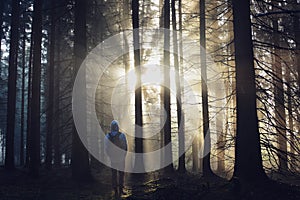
115,145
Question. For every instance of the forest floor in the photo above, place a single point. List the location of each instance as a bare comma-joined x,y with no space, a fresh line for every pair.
58,185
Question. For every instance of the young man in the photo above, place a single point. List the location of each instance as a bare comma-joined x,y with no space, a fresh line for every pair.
115,145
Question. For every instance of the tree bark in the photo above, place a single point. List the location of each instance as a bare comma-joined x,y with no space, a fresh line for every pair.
195,156
50,107
29,83
220,140
280,117
23,98
36,90
57,93
166,90
80,156
248,161
1,30
206,131
290,117
296,24
181,141
139,162
12,76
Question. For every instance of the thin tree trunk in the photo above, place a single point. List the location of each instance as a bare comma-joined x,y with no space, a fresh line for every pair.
2,134
161,95
57,113
1,30
29,81
36,90
290,118
195,152
296,24
181,141
232,77
12,76
206,131
126,57
166,89
23,98
248,161
181,71
50,107
280,117
220,141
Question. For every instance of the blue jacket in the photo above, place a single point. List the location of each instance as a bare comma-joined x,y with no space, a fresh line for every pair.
115,153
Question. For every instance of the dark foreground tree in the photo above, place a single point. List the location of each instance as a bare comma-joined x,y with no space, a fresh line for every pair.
50,107
23,96
138,90
80,156
12,76
34,162
248,162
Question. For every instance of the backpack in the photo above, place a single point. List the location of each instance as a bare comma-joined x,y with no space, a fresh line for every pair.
116,139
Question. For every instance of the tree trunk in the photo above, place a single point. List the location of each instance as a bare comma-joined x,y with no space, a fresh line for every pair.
206,131
1,30
280,117
57,112
220,140
166,89
195,152
29,83
296,23
139,162
36,90
161,95
248,161
50,107
181,141
12,76
23,98
80,156
290,117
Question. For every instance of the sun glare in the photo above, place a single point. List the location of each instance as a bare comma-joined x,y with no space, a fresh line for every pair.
151,75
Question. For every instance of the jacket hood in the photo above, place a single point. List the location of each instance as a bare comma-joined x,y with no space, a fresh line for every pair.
114,126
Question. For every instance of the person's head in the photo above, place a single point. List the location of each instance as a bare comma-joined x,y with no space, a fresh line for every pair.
114,126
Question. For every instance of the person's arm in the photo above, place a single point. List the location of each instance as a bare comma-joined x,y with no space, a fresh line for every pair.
124,141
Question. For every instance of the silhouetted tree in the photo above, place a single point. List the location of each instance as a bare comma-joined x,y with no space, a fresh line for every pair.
23,97
36,90
12,80
248,161
80,156
206,131
166,89
181,139
50,106
29,96
138,90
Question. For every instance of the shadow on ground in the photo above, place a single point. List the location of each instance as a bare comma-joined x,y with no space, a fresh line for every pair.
57,184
